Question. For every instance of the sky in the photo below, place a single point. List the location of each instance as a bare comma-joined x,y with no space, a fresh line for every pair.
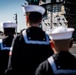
8,9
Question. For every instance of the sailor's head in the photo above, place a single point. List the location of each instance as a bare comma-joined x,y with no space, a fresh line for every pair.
61,38
9,27
33,13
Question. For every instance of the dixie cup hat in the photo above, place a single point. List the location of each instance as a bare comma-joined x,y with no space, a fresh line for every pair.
8,24
61,32
33,8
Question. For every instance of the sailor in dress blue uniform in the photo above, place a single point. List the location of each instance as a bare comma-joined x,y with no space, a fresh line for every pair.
62,62
32,46
9,28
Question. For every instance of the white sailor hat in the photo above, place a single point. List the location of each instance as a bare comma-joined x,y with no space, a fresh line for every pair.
33,8
8,24
61,32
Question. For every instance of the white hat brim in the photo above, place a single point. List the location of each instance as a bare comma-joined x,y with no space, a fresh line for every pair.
8,24
62,35
33,8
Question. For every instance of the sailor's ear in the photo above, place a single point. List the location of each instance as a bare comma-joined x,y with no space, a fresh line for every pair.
52,44
27,19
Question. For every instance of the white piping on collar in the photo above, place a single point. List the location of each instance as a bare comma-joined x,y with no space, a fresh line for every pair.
34,42
3,48
56,71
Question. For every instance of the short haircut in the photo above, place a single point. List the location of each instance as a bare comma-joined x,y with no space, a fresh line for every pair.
62,43
34,17
9,30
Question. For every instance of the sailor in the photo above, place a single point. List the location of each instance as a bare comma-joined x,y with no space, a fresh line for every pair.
9,29
32,46
62,62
